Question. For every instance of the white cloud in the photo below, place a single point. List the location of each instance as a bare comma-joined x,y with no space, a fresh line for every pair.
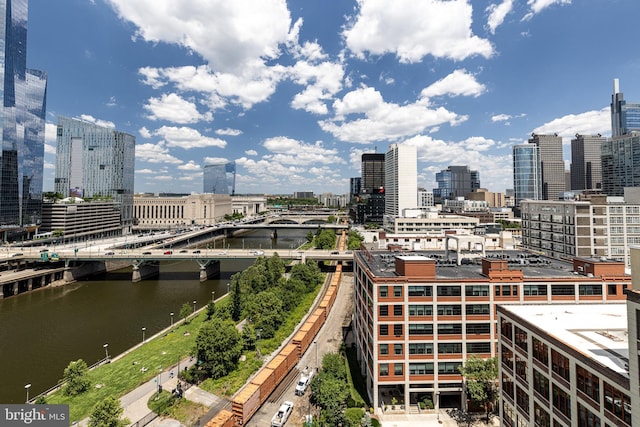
382,120
215,160
497,14
537,6
99,122
49,149
50,133
186,138
500,118
293,152
144,132
155,153
145,171
174,108
322,82
587,123
49,166
460,82
413,29
112,102
251,152
229,132
190,166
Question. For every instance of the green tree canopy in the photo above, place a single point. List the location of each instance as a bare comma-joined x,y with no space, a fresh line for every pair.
481,376
326,239
185,310
218,347
107,413
76,378
266,312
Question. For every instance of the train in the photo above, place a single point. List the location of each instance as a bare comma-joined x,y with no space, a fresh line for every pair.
248,400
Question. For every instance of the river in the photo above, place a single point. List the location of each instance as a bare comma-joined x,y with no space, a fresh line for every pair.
42,331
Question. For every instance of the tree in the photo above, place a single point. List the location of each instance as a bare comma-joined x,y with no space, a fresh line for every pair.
326,239
185,311
218,347
266,311
76,378
481,376
106,413
236,305
309,237
211,309
331,219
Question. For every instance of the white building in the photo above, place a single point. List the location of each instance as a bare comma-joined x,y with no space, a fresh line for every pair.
401,179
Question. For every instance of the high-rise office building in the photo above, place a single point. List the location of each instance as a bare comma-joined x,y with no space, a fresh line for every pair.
96,162
220,178
454,182
586,166
355,186
22,118
401,179
620,164
372,172
625,117
527,176
551,165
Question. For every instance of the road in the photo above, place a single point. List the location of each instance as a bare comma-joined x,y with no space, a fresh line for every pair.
328,340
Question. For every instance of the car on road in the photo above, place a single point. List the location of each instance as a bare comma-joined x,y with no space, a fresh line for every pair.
335,253
196,252
281,417
184,251
259,253
146,253
110,253
168,252
222,253
18,254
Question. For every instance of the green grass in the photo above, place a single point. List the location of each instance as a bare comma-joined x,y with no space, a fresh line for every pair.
166,405
123,375
356,382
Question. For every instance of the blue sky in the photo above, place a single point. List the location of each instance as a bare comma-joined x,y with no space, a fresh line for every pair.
295,91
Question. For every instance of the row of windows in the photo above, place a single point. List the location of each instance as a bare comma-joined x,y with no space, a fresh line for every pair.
442,310
442,329
427,368
504,290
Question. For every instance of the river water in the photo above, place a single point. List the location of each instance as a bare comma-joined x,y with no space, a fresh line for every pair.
42,331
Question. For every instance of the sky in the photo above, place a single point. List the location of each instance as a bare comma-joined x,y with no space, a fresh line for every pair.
295,91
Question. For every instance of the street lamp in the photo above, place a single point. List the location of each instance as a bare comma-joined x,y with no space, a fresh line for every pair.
258,334
143,329
213,297
228,286
171,314
106,351
316,344
27,387
437,405
194,306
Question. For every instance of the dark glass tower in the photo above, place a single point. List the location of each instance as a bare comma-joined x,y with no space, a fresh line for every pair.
455,181
22,118
625,117
220,178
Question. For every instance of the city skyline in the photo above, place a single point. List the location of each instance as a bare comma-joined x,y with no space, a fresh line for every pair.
295,92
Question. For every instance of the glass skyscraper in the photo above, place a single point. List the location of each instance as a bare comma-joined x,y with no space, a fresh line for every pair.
527,173
96,162
625,117
220,178
455,181
620,164
22,121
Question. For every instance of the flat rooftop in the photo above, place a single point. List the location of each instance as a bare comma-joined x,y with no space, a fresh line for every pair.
599,331
382,263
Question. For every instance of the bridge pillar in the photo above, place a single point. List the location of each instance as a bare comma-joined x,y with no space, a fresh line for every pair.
208,269
15,288
30,284
144,269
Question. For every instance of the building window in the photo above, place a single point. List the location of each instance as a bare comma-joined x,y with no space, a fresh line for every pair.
384,349
397,310
506,329
449,291
420,310
507,385
420,348
522,399
398,369
563,290
617,403
588,383
478,328
421,368
450,310
397,329
384,369
590,290
449,348
541,417
477,309
541,384
507,358
586,418
521,339
384,310
397,291
449,368
478,347
420,291
449,329
397,349
384,291
476,290
420,329
540,351
562,401
384,330
521,368
560,364
534,290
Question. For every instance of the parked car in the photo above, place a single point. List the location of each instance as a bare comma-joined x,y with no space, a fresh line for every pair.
282,415
168,252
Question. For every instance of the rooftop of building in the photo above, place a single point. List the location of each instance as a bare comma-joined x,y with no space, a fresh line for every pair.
598,331
382,263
